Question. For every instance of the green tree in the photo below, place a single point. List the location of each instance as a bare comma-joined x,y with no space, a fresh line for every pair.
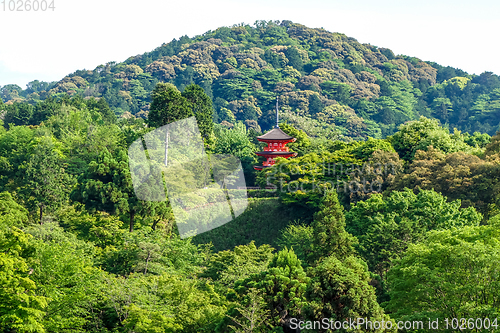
298,237
283,285
422,133
254,314
340,290
100,105
494,146
235,141
149,252
301,144
227,267
15,146
47,185
167,105
294,58
21,309
410,135
62,267
168,303
336,91
452,274
201,105
11,213
329,235
458,176
107,186
386,226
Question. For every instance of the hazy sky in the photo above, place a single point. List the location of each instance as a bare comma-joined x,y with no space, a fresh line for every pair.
84,34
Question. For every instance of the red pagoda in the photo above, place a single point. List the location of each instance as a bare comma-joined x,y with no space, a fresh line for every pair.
276,140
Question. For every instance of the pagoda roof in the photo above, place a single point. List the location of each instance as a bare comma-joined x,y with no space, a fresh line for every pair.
276,134
276,153
260,167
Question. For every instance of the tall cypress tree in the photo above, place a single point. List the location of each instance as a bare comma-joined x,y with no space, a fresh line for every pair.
329,235
201,106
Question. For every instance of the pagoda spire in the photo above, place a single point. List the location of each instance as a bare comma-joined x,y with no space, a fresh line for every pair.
277,115
276,141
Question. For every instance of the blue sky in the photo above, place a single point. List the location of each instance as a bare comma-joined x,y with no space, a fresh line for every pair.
84,34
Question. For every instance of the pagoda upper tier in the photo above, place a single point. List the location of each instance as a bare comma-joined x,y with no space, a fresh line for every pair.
276,140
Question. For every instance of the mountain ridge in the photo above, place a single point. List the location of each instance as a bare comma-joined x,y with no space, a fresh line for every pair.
321,78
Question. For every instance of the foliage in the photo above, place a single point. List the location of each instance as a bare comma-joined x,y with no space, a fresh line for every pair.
298,237
283,285
254,315
168,105
46,184
201,106
227,266
451,273
233,141
107,186
386,226
21,308
11,213
340,290
329,236
419,135
302,142
457,176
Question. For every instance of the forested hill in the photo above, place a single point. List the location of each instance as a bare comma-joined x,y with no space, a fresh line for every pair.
328,84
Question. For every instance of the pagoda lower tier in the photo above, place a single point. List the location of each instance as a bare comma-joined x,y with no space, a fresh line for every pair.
270,156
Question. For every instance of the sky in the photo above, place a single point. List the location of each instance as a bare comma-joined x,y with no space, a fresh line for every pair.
74,35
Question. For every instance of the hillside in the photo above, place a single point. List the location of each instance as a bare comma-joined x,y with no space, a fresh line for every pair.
329,85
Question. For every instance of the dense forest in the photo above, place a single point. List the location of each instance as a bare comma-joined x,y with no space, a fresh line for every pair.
388,214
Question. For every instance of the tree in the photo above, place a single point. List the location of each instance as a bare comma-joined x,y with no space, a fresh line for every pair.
298,237
201,105
421,134
47,185
168,303
100,105
458,176
329,235
315,104
19,114
386,226
10,92
410,135
283,285
340,290
62,268
294,58
227,267
168,105
336,91
254,314
15,150
107,186
494,146
21,309
11,213
235,141
452,274
301,144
